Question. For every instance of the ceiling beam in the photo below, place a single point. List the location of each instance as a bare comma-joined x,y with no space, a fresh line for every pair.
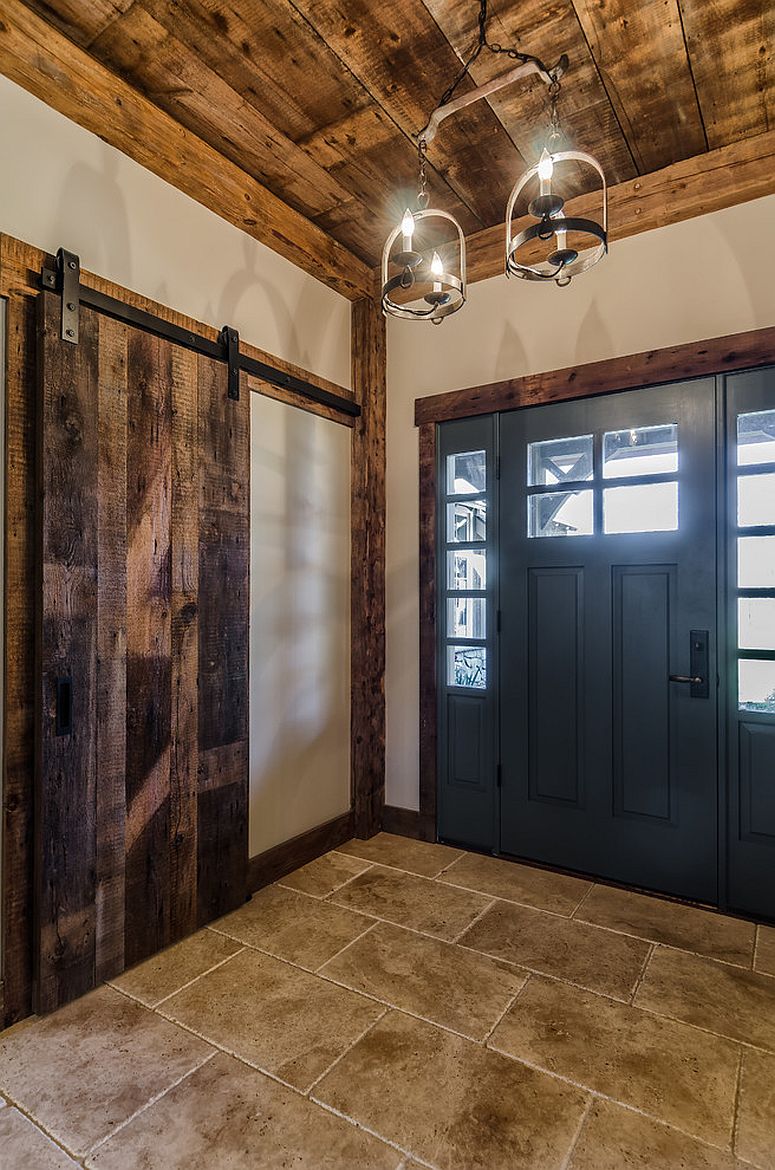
694,186
40,59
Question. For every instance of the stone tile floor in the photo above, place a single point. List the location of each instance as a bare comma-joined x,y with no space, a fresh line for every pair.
394,1005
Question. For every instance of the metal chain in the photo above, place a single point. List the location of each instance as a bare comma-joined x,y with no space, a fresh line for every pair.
554,120
422,180
483,43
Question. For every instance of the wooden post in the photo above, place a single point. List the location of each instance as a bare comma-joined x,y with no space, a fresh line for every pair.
368,569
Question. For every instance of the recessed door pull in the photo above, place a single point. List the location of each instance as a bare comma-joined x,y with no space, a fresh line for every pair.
695,679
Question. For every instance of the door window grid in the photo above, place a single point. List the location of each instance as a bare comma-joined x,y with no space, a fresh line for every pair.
754,513
465,539
621,482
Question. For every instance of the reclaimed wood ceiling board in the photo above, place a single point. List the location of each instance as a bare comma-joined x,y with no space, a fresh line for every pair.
141,833
321,100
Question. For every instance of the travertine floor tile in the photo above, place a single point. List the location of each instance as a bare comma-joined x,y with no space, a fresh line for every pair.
229,1117
88,1067
156,978
293,926
414,856
412,901
594,958
614,1138
678,1074
274,1016
325,874
451,1102
724,999
517,883
24,1147
688,927
756,1112
429,978
765,950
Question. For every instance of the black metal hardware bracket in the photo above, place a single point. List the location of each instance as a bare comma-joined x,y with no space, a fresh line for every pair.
67,281
222,350
230,341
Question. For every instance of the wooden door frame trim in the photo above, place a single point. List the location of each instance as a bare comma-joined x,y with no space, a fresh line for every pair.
740,351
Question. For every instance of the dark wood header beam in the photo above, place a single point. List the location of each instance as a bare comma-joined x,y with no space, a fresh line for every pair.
37,57
739,351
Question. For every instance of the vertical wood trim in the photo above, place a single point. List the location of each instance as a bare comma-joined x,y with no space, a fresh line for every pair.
367,730
428,693
66,814
111,648
184,762
19,690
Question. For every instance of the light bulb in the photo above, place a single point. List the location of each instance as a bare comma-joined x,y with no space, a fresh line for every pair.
407,229
437,268
545,166
545,172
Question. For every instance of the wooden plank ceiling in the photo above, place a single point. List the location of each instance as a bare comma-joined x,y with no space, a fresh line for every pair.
320,100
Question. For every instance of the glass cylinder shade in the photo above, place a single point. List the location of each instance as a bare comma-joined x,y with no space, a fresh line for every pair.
424,267
554,246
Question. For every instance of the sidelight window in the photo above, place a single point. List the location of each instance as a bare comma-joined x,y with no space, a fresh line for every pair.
465,536
755,514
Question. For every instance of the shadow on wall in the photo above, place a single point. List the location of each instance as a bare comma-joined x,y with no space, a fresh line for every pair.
300,583
95,197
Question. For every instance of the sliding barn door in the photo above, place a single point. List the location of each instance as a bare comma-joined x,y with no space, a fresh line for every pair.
141,819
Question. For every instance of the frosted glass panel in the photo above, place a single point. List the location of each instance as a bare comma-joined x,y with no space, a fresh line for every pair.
467,666
466,617
649,507
560,514
755,500
756,438
466,473
466,521
756,686
559,460
756,562
467,569
756,623
640,451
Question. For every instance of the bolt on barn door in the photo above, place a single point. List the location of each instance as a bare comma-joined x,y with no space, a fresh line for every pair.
608,599
141,818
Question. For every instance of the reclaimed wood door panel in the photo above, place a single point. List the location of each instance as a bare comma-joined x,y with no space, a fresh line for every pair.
141,832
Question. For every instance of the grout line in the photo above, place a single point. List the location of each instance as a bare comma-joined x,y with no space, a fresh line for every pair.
522,966
448,866
592,887
474,921
346,947
150,1102
506,1010
756,938
344,1053
575,1140
597,1094
183,986
736,1109
374,1133
322,897
642,975
12,1103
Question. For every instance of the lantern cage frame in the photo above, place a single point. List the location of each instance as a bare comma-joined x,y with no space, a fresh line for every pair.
440,304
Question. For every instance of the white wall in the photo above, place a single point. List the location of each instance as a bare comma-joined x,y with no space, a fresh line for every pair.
701,279
300,633
62,186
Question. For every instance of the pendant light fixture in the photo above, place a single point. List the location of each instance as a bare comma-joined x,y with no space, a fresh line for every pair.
556,260
424,257
417,284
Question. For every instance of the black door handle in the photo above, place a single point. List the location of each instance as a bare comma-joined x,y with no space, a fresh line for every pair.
699,665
